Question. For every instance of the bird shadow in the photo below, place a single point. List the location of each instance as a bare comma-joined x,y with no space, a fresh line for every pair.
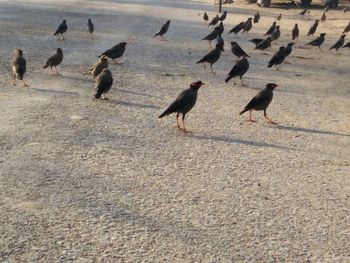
239,141
55,91
137,93
133,104
306,130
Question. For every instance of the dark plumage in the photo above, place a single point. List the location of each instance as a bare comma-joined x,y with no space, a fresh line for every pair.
248,25
323,17
104,82
346,45
256,18
277,58
214,21
90,27
237,50
347,28
276,34
313,28
223,16
19,67
213,35
62,28
115,52
220,28
278,18
97,68
183,103
163,30
205,16
260,102
295,32
220,41
271,29
239,69
288,50
212,56
266,43
318,41
55,60
256,41
237,28
339,43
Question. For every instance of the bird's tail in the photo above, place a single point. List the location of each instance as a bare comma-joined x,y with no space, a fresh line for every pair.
163,114
98,94
156,34
46,65
200,61
243,111
269,65
228,78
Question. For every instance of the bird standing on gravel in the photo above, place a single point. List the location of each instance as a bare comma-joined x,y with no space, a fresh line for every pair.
346,29
256,18
90,28
339,43
264,44
214,21
279,17
223,16
318,41
276,34
55,60
313,28
260,102
205,17
19,67
295,32
323,17
277,58
62,28
304,12
213,35
237,28
212,57
239,69
248,25
163,30
115,52
237,50
97,68
271,29
104,82
184,103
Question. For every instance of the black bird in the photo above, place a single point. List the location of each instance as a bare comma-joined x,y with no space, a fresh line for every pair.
55,60
278,18
313,28
256,18
183,103
104,82
323,17
256,41
62,28
19,67
347,28
288,50
266,43
248,25
213,35
346,45
277,58
237,28
223,16
239,69
271,29
97,68
214,21
90,28
163,30
115,52
237,50
339,43
205,16
220,28
260,102
276,34
212,57
318,41
345,10
295,32
303,12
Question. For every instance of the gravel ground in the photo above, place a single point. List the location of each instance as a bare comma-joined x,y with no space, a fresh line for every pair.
95,181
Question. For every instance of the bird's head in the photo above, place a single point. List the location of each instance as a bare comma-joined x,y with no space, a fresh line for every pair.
168,22
343,36
322,34
59,51
89,19
123,44
281,48
271,86
291,44
269,39
64,21
250,19
18,52
220,46
196,84
278,27
316,22
274,23
225,12
296,24
233,43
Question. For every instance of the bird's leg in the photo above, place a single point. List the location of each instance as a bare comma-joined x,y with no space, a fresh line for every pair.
62,36
268,119
183,123
234,81
286,62
250,117
24,83
210,47
205,68
104,97
58,74
211,70
243,84
277,68
177,121
114,61
14,80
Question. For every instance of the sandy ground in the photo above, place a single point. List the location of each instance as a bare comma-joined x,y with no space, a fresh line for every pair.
94,181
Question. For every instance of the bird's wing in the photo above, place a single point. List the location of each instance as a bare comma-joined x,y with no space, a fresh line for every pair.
184,98
259,99
103,81
315,41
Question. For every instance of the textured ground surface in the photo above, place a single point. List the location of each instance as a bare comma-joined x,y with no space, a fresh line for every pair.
95,181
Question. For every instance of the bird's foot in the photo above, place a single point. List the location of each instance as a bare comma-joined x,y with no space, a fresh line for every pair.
272,122
26,85
251,120
104,98
286,62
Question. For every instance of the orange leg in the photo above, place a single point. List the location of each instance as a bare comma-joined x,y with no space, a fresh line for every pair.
251,117
268,119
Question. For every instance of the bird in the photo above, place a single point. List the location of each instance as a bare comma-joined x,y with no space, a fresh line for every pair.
256,18
278,18
237,28
248,25
220,40
271,29
213,35
183,103
339,43
62,28
266,43
104,82
212,57
163,30
346,45
295,32
345,10
115,52
97,68
237,50
323,17
260,102
318,41
313,28
304,12
220,28
223,16
19,67
55,60
214,21
277,58
326,8
346,29
256,41
239,69
276,34
90,28
205,17
288,49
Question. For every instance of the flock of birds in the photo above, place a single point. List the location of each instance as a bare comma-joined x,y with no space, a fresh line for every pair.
187,98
